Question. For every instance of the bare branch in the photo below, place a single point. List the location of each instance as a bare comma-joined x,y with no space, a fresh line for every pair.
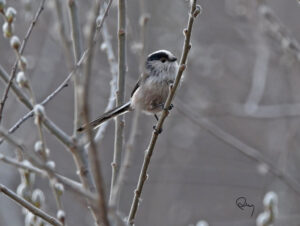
44,102
101,213
77,52
113,83
120,94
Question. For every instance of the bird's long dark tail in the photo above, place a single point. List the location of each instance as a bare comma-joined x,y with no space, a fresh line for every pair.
106,116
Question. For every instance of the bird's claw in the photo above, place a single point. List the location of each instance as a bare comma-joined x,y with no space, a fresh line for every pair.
157,131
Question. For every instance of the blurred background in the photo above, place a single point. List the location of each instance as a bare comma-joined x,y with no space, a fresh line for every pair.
234,130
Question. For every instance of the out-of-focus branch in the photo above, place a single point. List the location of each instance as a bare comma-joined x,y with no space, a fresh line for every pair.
262,111
24,203
240,146
101,212
77,52
62,32
115,193
18,92
120,94
260,72
14,69
275,28
11,140
107,46
194,11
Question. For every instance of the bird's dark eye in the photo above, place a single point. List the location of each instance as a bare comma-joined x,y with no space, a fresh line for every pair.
163,59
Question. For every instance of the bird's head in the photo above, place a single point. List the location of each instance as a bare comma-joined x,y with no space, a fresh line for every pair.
161,63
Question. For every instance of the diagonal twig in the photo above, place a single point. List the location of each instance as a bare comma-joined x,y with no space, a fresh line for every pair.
24,203
194,11
14,69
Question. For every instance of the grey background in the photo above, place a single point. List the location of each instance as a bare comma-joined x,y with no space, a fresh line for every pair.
193,174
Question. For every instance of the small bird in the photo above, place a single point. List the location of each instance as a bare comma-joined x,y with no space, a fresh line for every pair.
151,90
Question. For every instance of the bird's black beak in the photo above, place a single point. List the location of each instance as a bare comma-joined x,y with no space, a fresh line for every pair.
172,59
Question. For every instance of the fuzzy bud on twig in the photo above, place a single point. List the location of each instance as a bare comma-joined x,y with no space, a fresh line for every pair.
202,223
2,5
15,42
10,14
50,164
23,191
39,112
197,11
59,188
271,201
263,219
61,215
38,147
7,29
38,198
29,219
22,64
21,79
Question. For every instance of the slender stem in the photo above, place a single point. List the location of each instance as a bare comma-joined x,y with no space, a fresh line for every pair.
14,69
24,203
62,32
101,213
77,52
44,102
113,83
119,121
126,162
194,11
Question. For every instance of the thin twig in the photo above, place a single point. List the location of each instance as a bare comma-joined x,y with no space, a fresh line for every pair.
260,72
77,52
194,11
18,92
101,213
44,102
262,111
113,202
11,140
113,83
277,30
120,94
24,203
62,32
14,69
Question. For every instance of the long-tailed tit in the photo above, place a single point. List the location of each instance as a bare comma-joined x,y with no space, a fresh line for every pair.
151,90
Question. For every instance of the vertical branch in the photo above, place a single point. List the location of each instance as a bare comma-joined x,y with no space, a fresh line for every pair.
114,202
194,11
101,212
119,123
113,83
260,71
115,194
62,32
77,51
